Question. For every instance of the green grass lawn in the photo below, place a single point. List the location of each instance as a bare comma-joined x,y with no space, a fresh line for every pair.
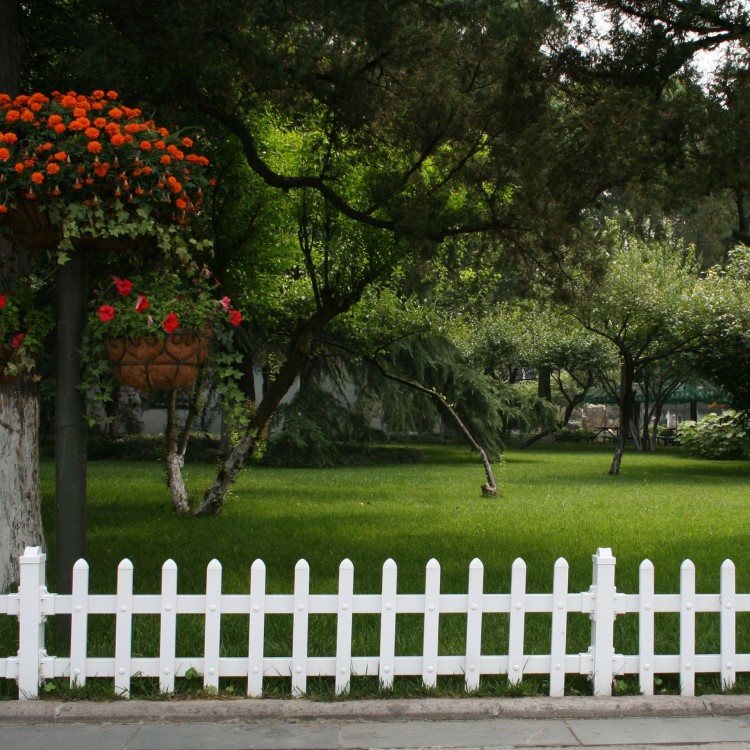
555,501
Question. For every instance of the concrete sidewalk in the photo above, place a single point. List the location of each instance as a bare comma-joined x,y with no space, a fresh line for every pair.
637,723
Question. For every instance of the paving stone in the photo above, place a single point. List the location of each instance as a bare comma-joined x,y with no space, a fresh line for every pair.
237,736
448,734
67,737
660,730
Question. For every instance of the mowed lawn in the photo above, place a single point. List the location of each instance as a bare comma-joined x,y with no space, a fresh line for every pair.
556,500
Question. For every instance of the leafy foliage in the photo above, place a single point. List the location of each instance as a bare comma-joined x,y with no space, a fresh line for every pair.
717,436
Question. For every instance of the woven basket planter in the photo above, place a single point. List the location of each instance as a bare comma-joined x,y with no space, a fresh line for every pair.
153,362
32,230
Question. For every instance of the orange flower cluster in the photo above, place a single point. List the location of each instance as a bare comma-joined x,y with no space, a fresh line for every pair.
95,150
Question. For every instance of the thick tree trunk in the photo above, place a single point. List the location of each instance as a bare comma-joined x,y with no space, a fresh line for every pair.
20,496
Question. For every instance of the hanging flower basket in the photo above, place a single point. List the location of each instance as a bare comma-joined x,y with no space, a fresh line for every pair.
156,362
32,230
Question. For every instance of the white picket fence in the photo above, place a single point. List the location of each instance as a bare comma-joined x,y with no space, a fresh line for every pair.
602,603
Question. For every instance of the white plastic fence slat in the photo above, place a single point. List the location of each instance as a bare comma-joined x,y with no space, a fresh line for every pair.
559,638
299,628
212,636
474,624
431,623
168,631
79,622
344,627
603,621
517,621
687,628
728,625
123,628
257,629
32,577
646,630
387,662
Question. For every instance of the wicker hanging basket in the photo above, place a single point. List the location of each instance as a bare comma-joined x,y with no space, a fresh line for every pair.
153,362
32,230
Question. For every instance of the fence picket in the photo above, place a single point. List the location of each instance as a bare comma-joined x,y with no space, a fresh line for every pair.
387,660
687,628
257,629
603,620
728,625
123,628
472,669
300,628
431,623
517,621
168,630
32,576
559,637
212,636
344,626
646,631
79,622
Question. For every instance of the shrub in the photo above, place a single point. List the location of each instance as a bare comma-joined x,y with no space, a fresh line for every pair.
716,436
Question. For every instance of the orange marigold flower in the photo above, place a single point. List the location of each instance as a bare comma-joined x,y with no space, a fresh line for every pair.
54,119
117,139
115,113
92,133
174,151
94,147
100,122
3,208
37,178
164,159
112,95
181,203
174,186
28,116
112,128
53,168
60,128
19,167
97,106
97,94
79,111
163,132
187,142
101,169
4,154
145,145
67,101
10,138
12,115
60,156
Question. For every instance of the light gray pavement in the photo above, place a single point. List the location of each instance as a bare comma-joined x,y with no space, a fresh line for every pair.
635,723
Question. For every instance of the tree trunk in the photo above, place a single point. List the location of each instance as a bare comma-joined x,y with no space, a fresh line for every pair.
489,489
175,459
20,493
626,415
20,496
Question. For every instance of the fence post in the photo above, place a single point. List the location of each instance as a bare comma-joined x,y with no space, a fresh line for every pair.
32,579
603,621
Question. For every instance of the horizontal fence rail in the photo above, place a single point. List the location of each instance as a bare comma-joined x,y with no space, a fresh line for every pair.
33,604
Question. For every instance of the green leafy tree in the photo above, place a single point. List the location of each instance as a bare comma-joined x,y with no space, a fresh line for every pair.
647,305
